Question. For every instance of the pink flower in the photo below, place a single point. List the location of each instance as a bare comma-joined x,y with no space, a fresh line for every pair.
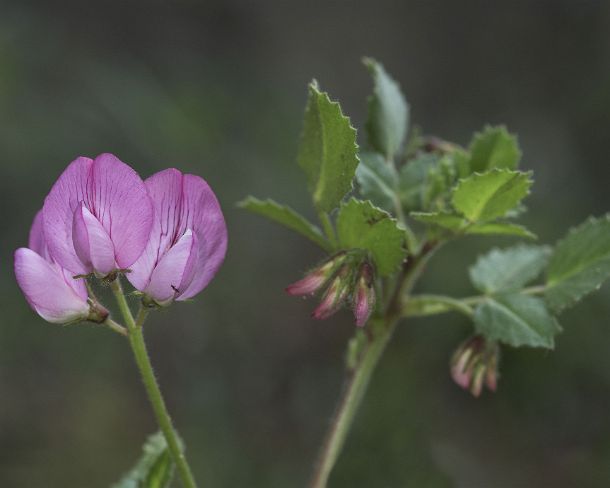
98,216
475,364
316,278
49,288
188,241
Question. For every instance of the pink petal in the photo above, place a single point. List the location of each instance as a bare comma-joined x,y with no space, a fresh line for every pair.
208,223
118,198
36,241
46,290
91,242
174,270
65,196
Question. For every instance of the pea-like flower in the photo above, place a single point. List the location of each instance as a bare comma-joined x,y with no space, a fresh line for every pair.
50,289
474,364
97,217
188,241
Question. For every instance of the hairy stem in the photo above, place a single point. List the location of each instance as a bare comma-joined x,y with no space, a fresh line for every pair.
358,378
328,228
138,346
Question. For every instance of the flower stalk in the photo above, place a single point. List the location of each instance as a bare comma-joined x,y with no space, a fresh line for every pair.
138,346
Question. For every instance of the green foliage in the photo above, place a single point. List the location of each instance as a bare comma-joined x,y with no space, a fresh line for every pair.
517,320
494,147
285,216
377,180
580,263
508,269
360,225
328,150
388,116
154,469
486,196
500,228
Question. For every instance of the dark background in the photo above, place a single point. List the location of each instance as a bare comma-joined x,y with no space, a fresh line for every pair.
217,88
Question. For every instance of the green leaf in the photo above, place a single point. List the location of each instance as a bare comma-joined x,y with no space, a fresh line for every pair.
500,228
494,147
388,116
508,269
327,151
580,263
287,217
154,469
486,196
516,320
376,179
360,225
412,180
444,220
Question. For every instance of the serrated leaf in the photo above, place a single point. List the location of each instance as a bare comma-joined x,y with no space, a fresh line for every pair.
388,116
444,220
376,180
287,217
494,147
517,320
509,269
327,150
500,228
580,263
154,469
360,225
486,196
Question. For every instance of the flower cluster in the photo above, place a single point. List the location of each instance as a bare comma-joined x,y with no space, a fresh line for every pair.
475,363
167,234
349,278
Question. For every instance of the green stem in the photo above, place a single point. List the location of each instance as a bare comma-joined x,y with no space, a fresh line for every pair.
328,228
116,327
359,377
138,346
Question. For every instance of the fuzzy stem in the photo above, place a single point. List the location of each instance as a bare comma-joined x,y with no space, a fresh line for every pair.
138,346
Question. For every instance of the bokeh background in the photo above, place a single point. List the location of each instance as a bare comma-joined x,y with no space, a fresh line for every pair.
218,88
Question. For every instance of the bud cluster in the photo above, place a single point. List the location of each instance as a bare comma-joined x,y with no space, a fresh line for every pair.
475,363
348,278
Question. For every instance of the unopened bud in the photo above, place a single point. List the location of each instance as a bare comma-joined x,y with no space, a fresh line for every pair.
475,363
364,297
315,279
334,296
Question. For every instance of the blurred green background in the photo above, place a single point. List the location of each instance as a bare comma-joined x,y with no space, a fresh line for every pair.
218,88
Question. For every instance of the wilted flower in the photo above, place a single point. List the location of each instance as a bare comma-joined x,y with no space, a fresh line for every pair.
188,241
475,363
50,289
364,296
97,217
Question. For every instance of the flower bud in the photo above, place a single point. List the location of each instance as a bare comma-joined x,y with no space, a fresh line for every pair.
475,364
364,297
315,279
335,295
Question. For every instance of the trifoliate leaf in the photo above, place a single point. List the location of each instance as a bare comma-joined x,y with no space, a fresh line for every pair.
494,147
509,269
360,225
377,180
388,116
287,217
486,196
154,469
517,320
580,263
500,228
327,151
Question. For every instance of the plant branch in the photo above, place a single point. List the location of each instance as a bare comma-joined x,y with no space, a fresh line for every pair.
142,358
358,378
